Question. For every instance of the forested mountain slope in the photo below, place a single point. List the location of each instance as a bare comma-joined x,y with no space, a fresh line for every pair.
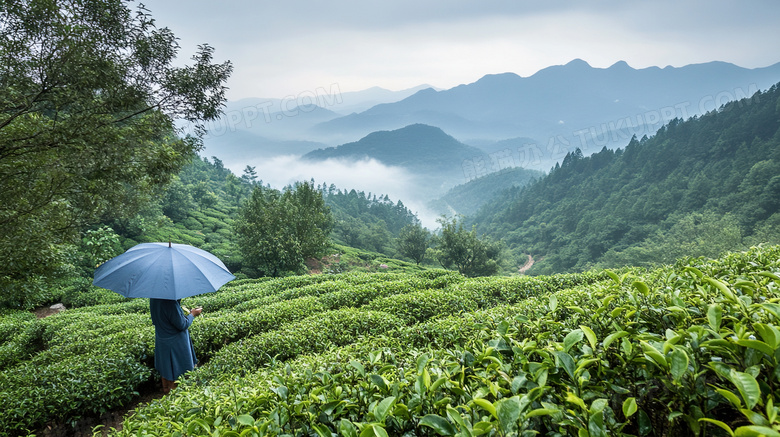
698,187
467,198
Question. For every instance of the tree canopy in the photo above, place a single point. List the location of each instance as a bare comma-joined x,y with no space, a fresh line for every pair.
278,231
88,100
465,251
413,242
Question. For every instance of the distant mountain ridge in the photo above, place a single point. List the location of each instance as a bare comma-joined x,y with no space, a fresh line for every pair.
425,151
565,106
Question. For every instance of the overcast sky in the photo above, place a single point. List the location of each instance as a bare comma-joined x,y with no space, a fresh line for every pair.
281,48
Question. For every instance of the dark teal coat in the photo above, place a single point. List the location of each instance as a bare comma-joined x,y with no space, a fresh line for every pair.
173,350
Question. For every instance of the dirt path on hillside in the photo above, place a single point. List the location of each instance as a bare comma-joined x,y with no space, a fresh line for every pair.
528,264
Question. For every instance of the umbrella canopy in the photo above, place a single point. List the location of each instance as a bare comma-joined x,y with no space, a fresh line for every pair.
162,271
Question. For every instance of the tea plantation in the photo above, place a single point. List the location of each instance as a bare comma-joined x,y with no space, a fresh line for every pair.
689,349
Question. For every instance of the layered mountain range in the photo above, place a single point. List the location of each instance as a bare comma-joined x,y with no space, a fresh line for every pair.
449,137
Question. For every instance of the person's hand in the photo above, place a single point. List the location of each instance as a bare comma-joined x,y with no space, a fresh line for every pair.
196,312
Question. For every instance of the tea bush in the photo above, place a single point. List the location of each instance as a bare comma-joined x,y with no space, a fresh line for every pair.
419,306
313,334
21,336
213,331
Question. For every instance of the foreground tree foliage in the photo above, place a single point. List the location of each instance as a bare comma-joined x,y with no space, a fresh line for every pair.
88,99
278,231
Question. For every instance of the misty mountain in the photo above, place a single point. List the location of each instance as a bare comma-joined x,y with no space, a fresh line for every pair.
293,116
566,106
259,119
696,188
466,199
426,151
359,101
239,148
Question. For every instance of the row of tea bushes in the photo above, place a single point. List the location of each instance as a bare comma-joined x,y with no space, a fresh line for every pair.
216,329
689,350
123,331
399,298
269,330
83,365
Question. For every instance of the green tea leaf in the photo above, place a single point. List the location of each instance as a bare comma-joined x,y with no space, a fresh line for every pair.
508,412
747,386
541,412
590,335
379,381
614,276
614,336
714,316
596,427
645,424
719,424
383,408
695,271
567,362
246,419
757,345
585,363
679,364
731,397
347,428
193,426
641,287
373,430
572,338
322,430
755,417
629,407
487,406
723,289
769,275
541,377
502,327
422,361
359,367
597,406
553,304
755,431
577,310
769,334
455,416
773,308
654,355
439,424
574,399
437,383
481,428
281,391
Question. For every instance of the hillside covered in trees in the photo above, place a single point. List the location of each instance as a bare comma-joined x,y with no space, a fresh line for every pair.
697,188
466,199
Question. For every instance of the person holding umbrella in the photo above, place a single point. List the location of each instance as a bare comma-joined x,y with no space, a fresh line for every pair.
166,273
174,353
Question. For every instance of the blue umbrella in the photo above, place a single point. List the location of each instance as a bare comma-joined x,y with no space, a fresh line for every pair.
162,271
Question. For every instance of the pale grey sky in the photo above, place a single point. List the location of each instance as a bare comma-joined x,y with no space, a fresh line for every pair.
283,48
